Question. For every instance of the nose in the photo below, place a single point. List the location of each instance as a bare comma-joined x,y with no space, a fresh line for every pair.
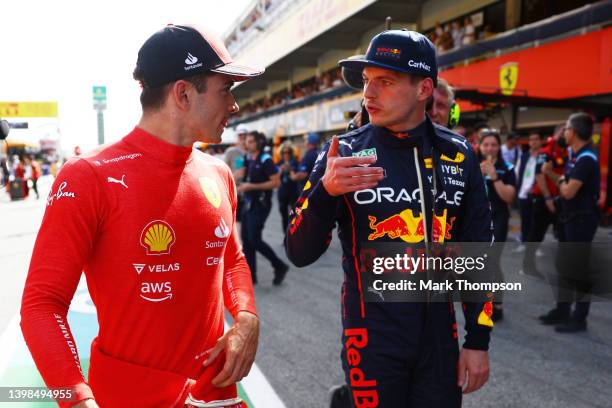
234,108
369,90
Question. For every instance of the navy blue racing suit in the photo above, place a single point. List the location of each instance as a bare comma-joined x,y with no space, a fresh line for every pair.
398,354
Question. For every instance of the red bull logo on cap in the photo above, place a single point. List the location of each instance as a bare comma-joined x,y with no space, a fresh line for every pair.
409,228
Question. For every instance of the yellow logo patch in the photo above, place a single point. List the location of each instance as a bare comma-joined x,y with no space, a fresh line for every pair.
157,237
460,157
508,77
211,191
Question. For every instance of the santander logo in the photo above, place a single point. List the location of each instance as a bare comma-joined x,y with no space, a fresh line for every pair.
190,60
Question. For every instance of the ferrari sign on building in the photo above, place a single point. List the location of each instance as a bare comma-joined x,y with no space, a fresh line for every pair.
28,109
508,77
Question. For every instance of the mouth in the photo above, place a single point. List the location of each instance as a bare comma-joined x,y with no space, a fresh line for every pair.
372,109
224,123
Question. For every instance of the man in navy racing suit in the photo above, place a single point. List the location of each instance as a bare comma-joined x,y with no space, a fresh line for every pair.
369,181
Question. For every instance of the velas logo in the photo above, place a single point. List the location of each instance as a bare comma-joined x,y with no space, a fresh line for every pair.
459,158
388,52
157,268
409,228
211,191
190,60
157,237
419,65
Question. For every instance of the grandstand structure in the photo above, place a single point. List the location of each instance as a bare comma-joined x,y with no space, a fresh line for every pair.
519,64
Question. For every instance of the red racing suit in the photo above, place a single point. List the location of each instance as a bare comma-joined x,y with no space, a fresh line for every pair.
152,226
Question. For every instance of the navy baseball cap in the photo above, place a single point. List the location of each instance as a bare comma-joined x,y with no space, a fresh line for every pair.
180,51
399,50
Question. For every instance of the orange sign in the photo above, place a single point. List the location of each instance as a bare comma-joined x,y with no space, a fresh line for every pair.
570,68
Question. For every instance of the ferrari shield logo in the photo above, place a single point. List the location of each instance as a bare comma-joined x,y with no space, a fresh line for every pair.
508,77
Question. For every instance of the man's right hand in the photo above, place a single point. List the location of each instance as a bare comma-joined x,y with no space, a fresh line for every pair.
348,174
88,403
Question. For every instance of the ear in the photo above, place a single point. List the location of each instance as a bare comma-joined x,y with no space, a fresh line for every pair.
425,89
180,94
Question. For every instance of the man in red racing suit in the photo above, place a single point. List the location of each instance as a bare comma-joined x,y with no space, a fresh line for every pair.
151,222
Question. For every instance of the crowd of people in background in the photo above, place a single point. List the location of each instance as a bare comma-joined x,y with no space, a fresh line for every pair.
446,37
554,182
20,174
327,80
457,34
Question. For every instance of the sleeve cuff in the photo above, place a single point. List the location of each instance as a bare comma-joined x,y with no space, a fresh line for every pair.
477,340
247,308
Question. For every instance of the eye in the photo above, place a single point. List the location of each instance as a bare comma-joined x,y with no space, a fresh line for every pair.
386,82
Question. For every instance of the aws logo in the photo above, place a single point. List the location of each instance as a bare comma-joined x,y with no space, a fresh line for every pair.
157,238
459,158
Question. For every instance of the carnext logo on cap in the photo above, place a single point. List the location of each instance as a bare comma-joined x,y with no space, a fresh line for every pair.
420,65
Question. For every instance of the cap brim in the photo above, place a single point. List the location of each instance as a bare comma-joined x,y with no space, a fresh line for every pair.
359,64
238,72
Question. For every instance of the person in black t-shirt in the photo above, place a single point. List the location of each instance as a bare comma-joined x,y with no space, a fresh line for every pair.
579,217
500,185
261,177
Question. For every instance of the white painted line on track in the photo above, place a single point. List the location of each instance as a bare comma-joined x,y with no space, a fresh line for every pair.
9,340
258,389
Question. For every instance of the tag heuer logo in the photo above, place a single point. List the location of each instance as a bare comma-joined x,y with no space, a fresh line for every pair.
365,153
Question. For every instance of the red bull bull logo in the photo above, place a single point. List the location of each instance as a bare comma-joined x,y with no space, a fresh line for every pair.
409,228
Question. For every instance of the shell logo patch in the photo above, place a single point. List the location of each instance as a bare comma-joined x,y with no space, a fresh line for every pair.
157,237
211,191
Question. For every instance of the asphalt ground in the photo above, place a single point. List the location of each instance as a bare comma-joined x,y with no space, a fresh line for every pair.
299,352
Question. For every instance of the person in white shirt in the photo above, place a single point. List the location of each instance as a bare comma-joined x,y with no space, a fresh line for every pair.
510,150
525,176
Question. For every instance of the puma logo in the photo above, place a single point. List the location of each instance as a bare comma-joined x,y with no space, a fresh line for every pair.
461,142
349,144
114,180
376,292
